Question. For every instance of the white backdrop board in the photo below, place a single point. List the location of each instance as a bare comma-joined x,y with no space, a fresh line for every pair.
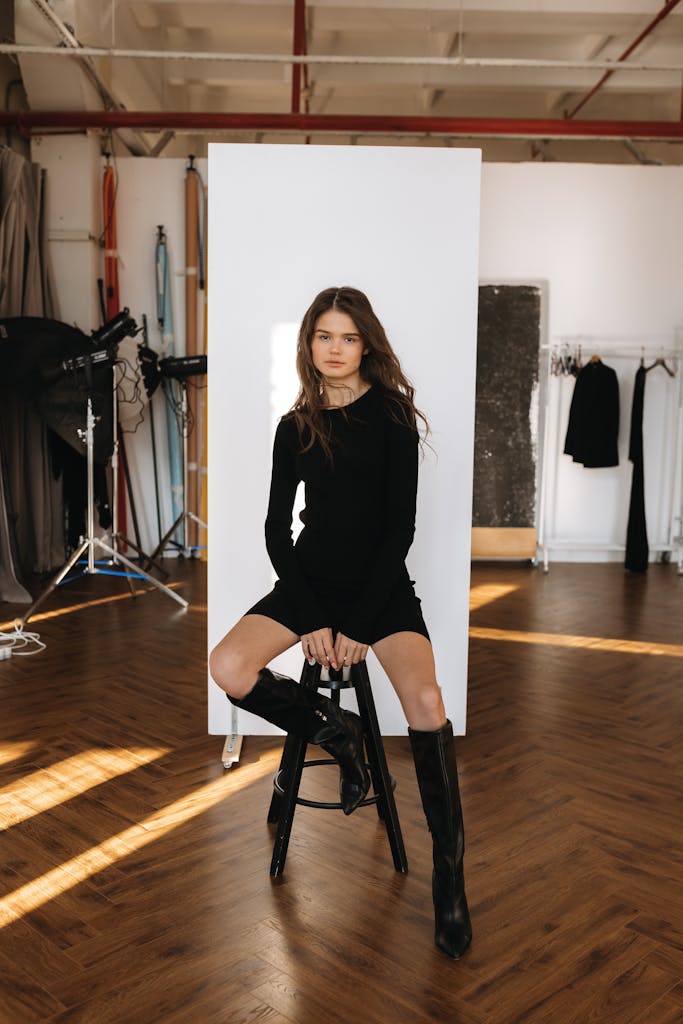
402,225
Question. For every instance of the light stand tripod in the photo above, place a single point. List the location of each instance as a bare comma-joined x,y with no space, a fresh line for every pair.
90,541
184,515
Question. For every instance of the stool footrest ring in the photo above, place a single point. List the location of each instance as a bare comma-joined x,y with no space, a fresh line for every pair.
323,804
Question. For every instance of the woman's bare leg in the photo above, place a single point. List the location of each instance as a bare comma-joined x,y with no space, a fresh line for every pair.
408,660
250,645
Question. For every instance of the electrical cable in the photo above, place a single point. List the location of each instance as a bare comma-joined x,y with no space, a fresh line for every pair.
12,644
133,396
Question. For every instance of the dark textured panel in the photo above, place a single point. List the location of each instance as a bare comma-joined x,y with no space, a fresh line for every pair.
507,377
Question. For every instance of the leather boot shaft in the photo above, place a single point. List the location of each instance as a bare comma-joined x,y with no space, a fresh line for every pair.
437,777
287,704
315,718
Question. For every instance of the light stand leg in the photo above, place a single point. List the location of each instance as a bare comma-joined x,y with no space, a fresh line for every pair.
183,385
145,560
115,479
197,520
91,541
165,539
55,581
140,572
115,467
90,447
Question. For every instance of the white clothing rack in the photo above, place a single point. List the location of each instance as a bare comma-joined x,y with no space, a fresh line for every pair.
617,348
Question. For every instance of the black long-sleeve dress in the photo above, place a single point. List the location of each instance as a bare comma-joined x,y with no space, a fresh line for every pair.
347,569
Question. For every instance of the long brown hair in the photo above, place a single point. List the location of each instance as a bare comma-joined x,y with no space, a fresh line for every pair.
379,367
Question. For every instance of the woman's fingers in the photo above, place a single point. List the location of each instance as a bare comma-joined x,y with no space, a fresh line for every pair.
359,654
329,648
349,652
311,648
318,646
308,649
327,644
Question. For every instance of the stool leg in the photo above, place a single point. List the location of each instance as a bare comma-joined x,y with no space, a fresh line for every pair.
286,761
282,807
288,805
379,771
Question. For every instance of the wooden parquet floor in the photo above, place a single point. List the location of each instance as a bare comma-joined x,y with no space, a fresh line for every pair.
134,884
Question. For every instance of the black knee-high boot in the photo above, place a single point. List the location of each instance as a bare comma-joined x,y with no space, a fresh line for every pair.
437,777
315,718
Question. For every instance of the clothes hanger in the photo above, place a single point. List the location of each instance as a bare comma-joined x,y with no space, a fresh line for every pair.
663,364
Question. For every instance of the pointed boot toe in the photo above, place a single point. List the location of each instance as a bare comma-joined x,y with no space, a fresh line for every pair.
351,795
347,749
454,942
453,928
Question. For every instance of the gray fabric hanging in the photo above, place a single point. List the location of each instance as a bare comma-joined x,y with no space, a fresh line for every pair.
10,587
26,289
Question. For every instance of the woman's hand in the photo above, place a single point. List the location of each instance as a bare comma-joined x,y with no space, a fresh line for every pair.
318,646
349,652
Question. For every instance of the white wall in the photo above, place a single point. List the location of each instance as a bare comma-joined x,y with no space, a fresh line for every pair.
402,225
609,243
73,213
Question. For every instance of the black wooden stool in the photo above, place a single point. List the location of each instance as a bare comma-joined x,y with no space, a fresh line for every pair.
293,761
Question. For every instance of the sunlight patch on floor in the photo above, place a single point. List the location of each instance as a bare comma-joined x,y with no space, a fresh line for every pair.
44,616
593,643
12,751
69,874
485,593
46,788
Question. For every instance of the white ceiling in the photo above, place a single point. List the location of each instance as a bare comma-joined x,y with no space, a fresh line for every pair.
521,30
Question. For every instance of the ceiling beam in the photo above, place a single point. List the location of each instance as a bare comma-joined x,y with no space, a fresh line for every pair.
465,127
649,28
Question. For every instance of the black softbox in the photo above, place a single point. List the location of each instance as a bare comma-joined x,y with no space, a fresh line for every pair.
33,354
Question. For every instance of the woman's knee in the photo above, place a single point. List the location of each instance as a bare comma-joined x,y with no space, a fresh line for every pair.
426,711
231,670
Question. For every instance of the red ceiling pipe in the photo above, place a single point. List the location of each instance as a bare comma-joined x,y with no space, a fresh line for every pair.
299,49
665,11
528,128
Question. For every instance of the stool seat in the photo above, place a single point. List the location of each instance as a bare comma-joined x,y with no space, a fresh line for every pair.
288,776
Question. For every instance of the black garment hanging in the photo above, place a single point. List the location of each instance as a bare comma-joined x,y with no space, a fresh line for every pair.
594,417
637,548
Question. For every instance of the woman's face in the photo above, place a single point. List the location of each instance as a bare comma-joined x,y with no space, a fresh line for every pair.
337,348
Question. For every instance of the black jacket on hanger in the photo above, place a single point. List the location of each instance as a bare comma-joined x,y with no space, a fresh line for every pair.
594,417
637,548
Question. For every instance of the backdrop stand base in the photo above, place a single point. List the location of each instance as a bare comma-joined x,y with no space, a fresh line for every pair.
232,748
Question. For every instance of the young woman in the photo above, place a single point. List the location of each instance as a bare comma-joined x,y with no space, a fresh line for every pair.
352,437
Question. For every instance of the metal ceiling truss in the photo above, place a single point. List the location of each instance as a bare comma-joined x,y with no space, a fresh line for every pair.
298,122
